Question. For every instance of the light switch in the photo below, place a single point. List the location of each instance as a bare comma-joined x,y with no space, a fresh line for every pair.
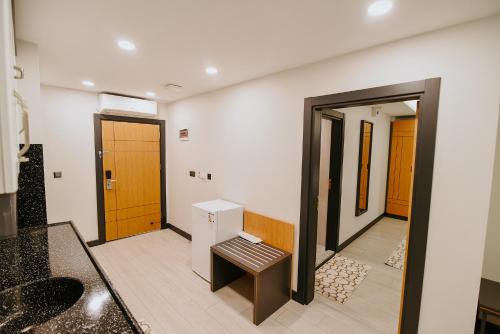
57,175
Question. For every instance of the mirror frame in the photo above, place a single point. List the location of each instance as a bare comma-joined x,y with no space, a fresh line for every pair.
358,210
427,91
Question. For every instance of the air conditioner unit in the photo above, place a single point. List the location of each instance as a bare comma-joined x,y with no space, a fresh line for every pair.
119,105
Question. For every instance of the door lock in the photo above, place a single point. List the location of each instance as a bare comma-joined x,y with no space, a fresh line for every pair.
109,184
109,180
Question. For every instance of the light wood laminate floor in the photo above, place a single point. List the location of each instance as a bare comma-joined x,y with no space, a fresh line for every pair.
152,273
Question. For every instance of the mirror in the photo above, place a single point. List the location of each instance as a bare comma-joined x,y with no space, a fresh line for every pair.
364,158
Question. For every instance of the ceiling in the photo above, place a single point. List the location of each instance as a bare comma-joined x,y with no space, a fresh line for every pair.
177,39
397,109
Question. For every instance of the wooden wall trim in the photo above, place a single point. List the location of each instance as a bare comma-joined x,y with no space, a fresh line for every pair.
272,231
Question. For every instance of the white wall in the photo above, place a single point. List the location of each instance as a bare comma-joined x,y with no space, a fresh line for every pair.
69,148
349,223
61,120
491,266
250,136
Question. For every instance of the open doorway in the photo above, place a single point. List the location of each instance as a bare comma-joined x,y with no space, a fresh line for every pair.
329,185
364,186
366,273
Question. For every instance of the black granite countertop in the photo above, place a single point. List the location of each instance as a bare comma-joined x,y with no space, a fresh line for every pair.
58,251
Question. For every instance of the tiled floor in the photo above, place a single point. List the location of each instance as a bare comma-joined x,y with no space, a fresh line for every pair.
322,254
152,273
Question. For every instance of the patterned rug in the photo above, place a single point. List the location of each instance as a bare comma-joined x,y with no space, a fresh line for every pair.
397,258
339,277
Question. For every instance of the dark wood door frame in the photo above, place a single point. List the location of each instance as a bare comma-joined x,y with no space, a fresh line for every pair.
101,227
427,91
336,160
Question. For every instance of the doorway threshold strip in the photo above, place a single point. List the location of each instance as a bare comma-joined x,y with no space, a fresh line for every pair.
339,277
397,258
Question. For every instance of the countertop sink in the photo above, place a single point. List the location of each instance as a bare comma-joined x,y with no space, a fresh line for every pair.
25,306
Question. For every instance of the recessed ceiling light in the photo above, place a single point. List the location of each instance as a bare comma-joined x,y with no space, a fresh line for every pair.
88,83
150,94
126,45
380,7
211,70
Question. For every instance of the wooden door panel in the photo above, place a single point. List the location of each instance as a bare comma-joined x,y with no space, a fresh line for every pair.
150,132
151,175
365,160
134,158
406,169
132,154
111,226
129,174
138,211
400,167
107,130
122,229
127,131
152,222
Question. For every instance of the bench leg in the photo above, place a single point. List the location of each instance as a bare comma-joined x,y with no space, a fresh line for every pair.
272,289
483,316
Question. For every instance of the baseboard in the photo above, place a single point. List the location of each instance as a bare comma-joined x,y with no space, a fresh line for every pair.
359,233
390,215
179,231
94,243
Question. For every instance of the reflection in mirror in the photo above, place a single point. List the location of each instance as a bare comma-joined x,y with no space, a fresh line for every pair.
375,177
365,150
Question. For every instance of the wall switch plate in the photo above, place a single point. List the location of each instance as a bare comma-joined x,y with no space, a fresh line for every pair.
209,176
57,175
192,173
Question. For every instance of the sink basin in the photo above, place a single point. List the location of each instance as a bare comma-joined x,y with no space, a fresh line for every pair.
25,306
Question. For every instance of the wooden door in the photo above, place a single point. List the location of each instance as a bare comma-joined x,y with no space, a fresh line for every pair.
400,167
131,180
365,159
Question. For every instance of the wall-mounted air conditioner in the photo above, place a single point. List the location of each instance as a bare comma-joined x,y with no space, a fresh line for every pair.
119,105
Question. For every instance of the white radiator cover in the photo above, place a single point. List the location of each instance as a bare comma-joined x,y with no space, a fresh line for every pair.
116,104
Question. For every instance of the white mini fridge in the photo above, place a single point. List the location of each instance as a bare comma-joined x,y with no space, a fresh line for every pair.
212,222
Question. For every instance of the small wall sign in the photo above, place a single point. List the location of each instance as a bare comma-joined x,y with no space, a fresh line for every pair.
184,134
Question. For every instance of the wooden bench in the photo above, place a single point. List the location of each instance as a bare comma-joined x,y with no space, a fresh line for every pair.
489,302
269,263
270,267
